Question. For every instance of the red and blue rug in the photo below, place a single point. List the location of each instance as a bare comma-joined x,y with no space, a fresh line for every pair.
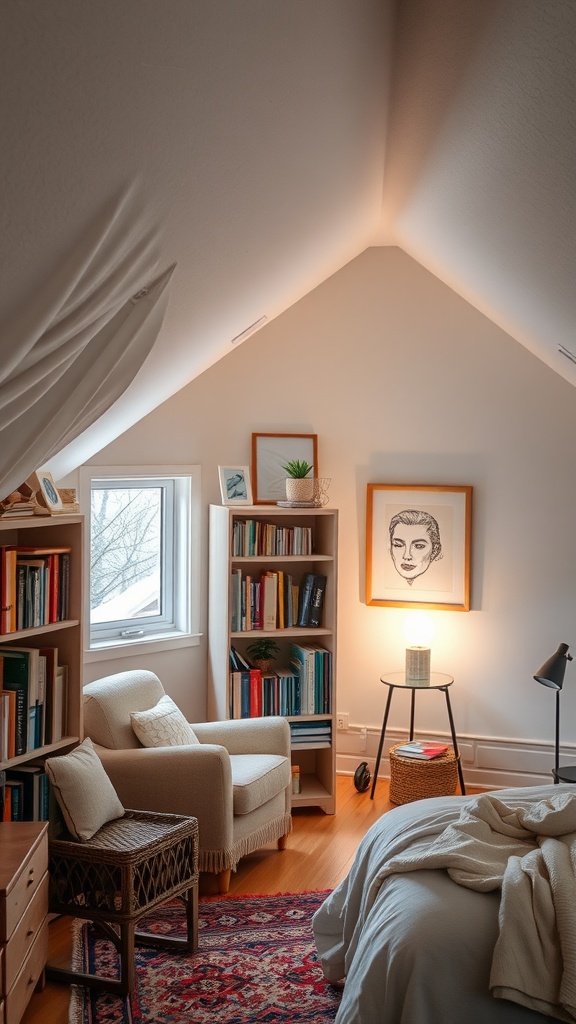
256,964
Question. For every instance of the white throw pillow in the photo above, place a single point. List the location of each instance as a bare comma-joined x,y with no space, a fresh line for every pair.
83,790
163,725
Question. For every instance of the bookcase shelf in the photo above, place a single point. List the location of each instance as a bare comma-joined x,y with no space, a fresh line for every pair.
65,635
317,763
286,633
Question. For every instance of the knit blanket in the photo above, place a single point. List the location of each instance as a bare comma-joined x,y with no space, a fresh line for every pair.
530,854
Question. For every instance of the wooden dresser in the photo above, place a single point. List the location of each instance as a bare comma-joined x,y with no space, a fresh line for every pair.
23,914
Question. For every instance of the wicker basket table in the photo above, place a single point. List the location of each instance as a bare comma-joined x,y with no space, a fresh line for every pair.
413,778
130,865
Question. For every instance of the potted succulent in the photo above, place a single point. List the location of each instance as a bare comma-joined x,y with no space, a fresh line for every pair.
299,485
263,652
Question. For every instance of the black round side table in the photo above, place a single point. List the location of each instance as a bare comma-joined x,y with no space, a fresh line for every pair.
397,681
566,774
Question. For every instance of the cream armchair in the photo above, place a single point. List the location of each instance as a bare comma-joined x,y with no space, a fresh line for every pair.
236,781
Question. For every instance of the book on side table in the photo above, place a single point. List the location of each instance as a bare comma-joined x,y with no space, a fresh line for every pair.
424,750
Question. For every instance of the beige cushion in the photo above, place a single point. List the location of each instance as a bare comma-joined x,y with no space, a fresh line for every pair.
257,778
164,725
83,790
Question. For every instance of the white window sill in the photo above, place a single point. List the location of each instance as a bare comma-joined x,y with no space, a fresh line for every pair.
107,650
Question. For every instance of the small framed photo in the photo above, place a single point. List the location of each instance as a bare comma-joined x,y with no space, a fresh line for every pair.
235,485
49,491
418,546
270,453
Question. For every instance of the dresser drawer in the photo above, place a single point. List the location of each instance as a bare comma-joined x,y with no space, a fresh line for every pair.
24,934
24,889
31,971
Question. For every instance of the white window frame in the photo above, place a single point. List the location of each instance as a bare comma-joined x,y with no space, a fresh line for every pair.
186,589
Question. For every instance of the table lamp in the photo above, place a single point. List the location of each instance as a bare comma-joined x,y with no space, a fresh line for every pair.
551,674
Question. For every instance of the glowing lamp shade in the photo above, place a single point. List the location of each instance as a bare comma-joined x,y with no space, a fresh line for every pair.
418,629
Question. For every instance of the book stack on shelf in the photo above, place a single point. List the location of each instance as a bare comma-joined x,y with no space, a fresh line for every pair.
32,699
24,794
254,693
34,586
276,600
303,689
313,666
16,510
309,735
254,538
423,750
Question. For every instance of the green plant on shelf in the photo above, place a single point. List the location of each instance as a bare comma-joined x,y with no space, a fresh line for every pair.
298,468
263,652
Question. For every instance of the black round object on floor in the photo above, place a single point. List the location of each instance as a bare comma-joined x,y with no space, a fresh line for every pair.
362,777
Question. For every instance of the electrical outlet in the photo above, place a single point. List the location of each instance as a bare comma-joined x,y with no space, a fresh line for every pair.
342,721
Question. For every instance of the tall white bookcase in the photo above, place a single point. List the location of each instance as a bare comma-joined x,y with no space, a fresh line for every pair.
317,764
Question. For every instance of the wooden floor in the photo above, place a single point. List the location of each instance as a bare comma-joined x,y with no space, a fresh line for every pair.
318,855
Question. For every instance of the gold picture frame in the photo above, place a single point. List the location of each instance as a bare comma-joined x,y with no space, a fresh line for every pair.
418,543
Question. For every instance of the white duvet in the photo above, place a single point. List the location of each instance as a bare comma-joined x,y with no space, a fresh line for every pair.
416,948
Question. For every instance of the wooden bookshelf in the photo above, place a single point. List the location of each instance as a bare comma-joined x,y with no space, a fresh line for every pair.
65,635
317,764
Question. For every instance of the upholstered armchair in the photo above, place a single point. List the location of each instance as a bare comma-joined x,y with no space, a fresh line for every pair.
236,780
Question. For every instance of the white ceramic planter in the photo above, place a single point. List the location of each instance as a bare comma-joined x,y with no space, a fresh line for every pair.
299,489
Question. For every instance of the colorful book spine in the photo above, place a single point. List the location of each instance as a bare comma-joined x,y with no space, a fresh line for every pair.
305,598
317,600
255,693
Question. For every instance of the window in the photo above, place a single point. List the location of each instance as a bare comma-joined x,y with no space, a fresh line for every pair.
143,533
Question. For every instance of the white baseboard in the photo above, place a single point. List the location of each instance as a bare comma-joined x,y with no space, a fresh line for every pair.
487,762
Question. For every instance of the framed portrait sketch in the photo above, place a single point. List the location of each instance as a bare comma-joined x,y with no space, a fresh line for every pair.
235,486
270,452
418,546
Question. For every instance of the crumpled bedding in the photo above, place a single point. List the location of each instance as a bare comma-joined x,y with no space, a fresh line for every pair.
416,948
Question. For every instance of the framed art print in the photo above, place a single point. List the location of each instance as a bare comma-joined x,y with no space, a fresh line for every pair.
270,453
49,491
235,486
418,546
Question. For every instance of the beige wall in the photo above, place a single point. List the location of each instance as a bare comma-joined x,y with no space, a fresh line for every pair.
404,382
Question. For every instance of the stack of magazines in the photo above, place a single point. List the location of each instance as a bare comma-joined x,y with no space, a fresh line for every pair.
422,749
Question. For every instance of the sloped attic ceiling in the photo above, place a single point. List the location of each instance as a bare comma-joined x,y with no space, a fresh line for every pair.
480,182
259,134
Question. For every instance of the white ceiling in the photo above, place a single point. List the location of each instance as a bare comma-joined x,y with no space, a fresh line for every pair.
274,140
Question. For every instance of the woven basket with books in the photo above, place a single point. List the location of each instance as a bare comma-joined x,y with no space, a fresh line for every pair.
414,778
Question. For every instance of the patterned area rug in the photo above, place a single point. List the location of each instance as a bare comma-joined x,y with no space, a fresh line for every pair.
256,964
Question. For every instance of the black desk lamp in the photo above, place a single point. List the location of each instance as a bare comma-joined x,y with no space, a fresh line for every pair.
552,674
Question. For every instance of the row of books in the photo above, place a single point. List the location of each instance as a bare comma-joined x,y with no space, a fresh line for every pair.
313,666
34,586
309,735
254,693
251,537
32,699
24,794
276,600
303,689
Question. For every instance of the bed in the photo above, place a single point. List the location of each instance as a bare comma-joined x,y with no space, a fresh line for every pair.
458,910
